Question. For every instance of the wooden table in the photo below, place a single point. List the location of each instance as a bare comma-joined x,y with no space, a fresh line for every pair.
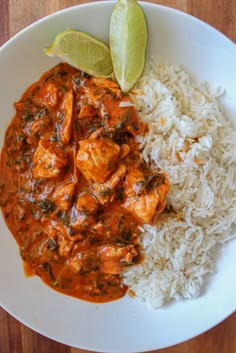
14,16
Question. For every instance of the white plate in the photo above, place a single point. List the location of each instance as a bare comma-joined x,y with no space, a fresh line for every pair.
125,325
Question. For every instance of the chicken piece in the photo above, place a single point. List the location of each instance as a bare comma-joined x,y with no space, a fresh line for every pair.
162,191
86,109
134,182
101,132
143,207
87,203
57,239
111,259
86,206
83,221
66,112
97,159
105,192
74,264
106,86
124,150
146,207
48,228
53,227
48,161
40,125
65,245
98,133
63,196
114,108
84,260
114,258
144,195
115,224
47,96
88,125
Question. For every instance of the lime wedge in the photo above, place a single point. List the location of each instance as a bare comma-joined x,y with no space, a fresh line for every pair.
83,52
128,41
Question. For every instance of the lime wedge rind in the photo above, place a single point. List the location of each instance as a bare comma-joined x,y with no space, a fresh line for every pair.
83,52
128,42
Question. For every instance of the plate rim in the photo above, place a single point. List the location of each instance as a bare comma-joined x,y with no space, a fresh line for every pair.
98,4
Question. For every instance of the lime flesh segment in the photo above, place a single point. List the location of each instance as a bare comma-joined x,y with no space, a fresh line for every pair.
128,42
83,52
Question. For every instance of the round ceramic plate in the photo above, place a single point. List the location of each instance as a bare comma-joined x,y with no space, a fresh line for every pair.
125,325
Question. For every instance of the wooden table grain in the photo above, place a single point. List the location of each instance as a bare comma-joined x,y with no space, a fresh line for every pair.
14,16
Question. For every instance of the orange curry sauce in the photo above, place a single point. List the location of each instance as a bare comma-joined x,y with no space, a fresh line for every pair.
74,187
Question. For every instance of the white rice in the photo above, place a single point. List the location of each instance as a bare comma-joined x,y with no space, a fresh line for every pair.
191,140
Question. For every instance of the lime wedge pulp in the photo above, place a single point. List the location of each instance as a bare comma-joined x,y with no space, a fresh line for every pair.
128,41
83,52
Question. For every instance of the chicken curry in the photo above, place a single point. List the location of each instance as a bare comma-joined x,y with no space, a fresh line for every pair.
74,186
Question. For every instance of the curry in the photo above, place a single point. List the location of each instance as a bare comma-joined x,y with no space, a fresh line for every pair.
74,186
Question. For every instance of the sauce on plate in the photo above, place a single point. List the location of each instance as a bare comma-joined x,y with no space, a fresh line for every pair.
74,186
